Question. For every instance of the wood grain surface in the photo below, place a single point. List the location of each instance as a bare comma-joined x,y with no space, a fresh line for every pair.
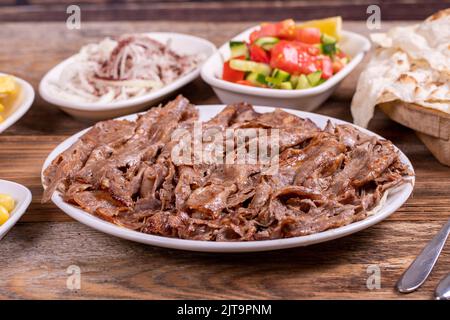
34,256
216,10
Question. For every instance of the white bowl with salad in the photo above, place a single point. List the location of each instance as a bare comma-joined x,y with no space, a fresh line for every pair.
285,63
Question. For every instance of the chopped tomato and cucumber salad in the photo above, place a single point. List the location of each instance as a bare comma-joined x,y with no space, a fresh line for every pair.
286,55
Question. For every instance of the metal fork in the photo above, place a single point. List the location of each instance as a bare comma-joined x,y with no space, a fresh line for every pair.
421,267
443,289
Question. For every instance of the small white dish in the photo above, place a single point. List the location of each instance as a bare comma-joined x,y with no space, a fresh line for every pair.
394,201
22,197
307,99
180,43
21,104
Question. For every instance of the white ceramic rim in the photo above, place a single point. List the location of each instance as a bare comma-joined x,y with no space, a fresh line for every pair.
209,70
395,200
18,210
95,106
28,97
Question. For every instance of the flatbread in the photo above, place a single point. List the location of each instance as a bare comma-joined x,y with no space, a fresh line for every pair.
411,64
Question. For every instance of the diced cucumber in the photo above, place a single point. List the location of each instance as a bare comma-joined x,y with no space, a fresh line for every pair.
252,77
329,48
328,44
238,49
314,78
294,80
256,78
286,85
302,82
280,79
273,82
280,75
250,66
326,39
267,43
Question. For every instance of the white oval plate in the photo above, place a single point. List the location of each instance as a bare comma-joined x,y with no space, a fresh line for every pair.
20,106
180,43
22,197
307,99
394,200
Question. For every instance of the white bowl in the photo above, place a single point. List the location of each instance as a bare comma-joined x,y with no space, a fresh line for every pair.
22,198
21,104
394,201
307,99
180,43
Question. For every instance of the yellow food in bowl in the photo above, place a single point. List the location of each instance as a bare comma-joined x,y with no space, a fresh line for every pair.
4,215
8,93
7,201
7,205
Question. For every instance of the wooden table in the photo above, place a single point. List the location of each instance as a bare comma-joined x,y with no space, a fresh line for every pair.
35,255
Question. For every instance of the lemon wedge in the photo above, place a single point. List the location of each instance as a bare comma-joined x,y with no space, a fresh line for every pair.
330,26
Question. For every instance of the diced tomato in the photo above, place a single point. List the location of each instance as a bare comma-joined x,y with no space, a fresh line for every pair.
254,36
337,66
245,83
231,74
268,30
258,54
294,57
284,30
324,63
341,54
308,35
312,50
